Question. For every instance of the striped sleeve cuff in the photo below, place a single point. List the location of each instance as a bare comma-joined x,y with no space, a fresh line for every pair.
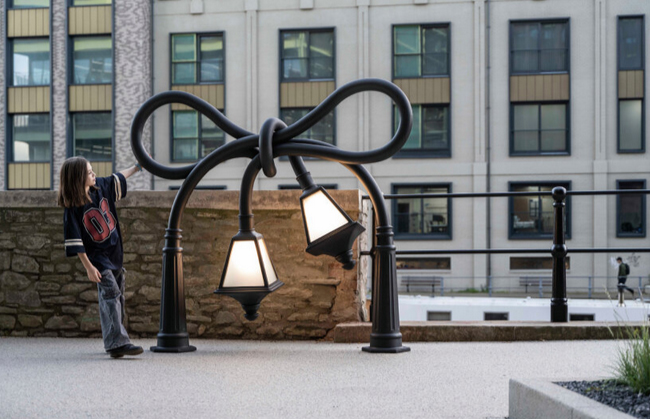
118,187
74,246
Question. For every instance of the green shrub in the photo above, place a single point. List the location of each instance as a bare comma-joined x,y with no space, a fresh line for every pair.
633,364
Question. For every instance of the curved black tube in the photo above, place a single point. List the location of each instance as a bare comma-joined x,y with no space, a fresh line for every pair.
269,127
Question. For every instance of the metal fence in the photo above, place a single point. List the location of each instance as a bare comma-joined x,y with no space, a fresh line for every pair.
558,251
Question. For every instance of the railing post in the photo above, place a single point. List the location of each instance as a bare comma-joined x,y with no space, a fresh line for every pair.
589,287
559,308
541,290
640,285
442,286
489,279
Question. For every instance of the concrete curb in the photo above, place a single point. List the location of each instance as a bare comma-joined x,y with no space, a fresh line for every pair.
542,399
485,331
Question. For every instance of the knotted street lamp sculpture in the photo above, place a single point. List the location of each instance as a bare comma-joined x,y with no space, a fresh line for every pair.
249,283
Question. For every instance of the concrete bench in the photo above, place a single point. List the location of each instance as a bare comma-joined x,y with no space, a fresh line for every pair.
431,281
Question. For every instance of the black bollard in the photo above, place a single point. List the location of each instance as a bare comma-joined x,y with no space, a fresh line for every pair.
559,308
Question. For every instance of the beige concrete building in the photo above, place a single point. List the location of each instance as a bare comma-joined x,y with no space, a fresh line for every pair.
508,95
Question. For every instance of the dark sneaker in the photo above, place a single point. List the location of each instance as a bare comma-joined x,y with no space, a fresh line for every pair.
128,349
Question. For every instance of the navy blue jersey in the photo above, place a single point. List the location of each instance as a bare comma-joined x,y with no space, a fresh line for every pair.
94,229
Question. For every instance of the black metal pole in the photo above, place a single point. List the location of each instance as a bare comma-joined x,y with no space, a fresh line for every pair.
559,308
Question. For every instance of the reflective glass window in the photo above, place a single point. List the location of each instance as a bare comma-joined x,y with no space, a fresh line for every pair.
418,216
322,131
197,58
31,138
539,128
420,50
307,55
532,216
630,43
194,136
93,60
93,135
631,210
539,47
31,62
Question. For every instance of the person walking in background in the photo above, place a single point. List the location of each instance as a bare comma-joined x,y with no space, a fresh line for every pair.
623,272
92,232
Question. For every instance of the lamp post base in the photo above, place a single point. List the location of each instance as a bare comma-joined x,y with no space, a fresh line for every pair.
173,342
379,350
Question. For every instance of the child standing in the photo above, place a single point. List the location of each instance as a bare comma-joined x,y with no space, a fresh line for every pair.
92,232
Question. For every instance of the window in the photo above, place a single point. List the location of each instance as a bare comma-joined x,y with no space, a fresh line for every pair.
427,218
89,2
324,130
488,316
93,60
630,43
539,47
532,216
539,128
25,4
420,51
576,317
31,138
93,136
630,210
438,316
194,136
197,58
529,263
424,263
430,133
631,123
307,55
31,62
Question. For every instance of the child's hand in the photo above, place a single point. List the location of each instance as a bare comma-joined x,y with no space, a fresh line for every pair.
94,275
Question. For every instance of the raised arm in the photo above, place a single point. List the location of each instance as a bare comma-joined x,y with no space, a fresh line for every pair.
131,170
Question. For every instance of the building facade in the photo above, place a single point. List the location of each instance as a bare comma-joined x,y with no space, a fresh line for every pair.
507,95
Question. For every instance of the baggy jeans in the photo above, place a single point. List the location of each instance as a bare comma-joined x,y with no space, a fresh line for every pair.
111,308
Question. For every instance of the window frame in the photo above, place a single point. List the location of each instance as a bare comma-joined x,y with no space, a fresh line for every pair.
619,233
200,128
421,54
542,236
11,6
513,153
71,51
642,149
71,136
10,137
310,31
565,20
10,60
423,236
197,62
413,153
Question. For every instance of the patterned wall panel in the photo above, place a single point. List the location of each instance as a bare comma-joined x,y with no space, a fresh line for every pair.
211,93
304,94
89,20
133,56
426,90
28,22
28,99
59,114
3,93
630,84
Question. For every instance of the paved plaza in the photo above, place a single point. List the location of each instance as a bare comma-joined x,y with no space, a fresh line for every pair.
73,378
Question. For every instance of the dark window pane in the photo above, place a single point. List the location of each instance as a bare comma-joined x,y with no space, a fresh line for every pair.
407,66
436,64
630,44
414,141
31,62
295,68
489,316
525,61
322,131
186,124
184,73
31,138
294,44
183,47
211,50
186,149
631,214
526,141
533,215
553,60
407,39
19,4
553,36
422,215
435,128
553,126
93,62
525,36
553,141
535,263
435,51
321,44
321,68
424,263
93,136
526,117
630,125
212,137
539,47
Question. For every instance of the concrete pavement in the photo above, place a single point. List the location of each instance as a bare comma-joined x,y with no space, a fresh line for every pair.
74,378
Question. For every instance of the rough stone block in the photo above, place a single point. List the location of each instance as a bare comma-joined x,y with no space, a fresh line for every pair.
7,322
150,293
46,286
71,310
13,281
61,322
225,317
27,320
75,288
90,295
5,261
64,299
31,242
63,267
23,298
22,263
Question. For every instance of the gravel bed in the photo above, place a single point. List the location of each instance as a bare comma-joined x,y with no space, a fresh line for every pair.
609,392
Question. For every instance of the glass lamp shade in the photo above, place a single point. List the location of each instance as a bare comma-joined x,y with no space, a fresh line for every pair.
329,230
249,274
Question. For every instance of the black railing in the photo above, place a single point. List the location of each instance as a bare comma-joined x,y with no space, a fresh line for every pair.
558,250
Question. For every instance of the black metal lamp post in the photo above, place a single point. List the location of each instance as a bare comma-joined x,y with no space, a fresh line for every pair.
332,234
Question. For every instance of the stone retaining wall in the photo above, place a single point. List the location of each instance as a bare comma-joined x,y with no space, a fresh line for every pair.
43,293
